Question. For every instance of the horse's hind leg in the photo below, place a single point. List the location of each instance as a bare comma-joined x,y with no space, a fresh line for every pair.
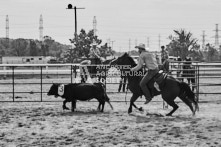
193,81
188,103
172,104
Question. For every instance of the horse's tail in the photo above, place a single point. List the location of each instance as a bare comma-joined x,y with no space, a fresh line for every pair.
187,93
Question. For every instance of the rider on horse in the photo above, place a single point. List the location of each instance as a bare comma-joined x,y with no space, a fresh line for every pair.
150,62
95,58
95,54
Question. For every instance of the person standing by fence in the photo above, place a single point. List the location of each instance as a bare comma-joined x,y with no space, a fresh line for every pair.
164,59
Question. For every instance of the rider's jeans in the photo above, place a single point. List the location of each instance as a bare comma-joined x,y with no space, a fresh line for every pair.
145,80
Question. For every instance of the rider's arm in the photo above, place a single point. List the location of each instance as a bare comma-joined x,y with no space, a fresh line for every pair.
96,52
139,65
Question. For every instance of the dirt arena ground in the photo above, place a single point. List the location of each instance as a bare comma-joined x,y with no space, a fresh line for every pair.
26,124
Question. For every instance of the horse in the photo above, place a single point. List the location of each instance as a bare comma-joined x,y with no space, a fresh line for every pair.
94,68
161,83
188,73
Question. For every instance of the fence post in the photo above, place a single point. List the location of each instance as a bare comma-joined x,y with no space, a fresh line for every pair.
41,83
105,70
197,89
71,74
13,83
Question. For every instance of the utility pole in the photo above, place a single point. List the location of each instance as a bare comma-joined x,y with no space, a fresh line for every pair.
41,28
135,42
7,30
75,11
159,41
112,44
108,42
148,42
217,37
203,41
95,26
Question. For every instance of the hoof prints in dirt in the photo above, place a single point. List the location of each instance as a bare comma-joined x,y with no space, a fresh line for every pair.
48,125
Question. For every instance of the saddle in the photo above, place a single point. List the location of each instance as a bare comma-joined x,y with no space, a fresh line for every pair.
156,84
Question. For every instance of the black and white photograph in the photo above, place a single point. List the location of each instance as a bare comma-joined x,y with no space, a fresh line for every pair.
110,73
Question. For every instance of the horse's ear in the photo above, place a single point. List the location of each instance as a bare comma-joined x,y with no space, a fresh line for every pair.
125,54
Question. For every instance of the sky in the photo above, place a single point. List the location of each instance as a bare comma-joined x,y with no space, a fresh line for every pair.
125,23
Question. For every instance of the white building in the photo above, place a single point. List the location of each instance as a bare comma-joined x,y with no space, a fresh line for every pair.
26,60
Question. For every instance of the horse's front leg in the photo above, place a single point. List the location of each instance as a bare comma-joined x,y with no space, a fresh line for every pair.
132,100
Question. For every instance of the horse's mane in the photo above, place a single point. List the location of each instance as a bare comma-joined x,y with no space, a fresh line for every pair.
108,61
130,59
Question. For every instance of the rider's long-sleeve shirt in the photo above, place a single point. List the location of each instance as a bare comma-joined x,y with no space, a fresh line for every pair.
148,59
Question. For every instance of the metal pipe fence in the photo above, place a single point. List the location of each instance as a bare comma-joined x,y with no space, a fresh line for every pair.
29,79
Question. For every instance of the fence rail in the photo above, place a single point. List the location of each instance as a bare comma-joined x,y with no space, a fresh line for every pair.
17,79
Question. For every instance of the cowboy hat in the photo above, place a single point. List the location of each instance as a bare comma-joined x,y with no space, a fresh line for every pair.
140,46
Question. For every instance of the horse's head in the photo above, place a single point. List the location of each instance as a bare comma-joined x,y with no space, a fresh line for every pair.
125,59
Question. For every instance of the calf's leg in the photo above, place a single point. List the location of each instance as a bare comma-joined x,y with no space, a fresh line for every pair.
101,105
64,105
73,105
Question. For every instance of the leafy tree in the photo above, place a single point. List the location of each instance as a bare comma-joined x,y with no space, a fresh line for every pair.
33,48
196,54
181,43
212,53
46,44
19,47
82,45
83,42
71,55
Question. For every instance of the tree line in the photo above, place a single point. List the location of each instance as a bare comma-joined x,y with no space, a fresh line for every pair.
49,47
182,43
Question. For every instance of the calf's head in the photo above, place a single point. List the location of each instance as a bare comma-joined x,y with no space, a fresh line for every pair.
53,90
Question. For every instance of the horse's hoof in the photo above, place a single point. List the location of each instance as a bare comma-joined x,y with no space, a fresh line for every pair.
169,114
66,108
129,111
141,109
